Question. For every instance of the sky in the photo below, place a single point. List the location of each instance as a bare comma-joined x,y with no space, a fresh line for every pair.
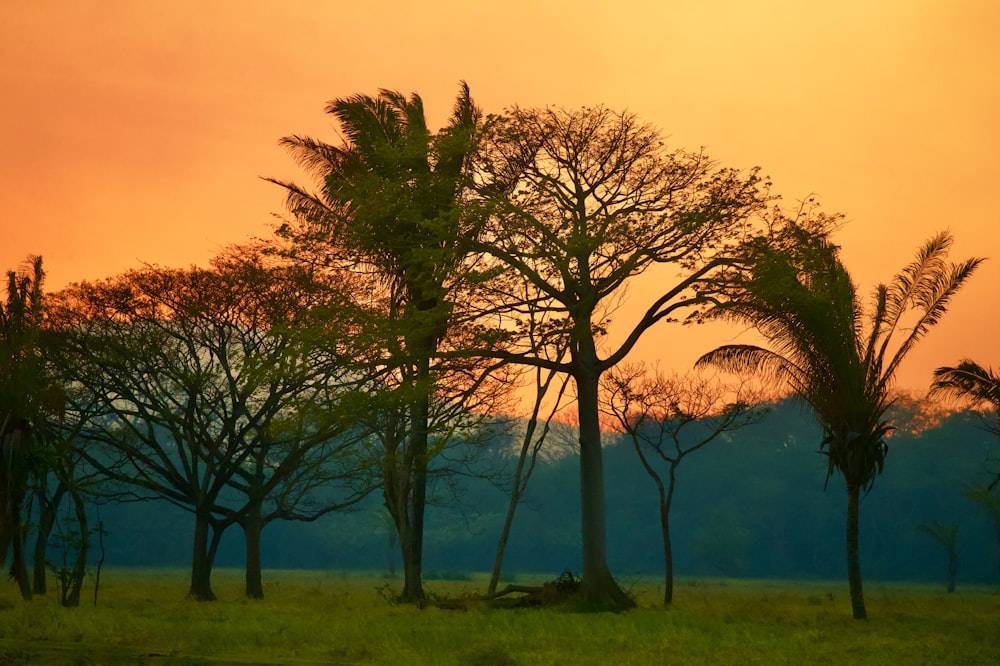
137,132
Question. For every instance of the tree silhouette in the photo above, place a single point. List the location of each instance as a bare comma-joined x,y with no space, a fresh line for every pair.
976,384
578,203
669,418
989,501
802,300
980,386
947,537
21,387
202,382
390,207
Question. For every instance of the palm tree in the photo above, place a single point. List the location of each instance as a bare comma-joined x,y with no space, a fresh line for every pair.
981,386
20,387
839,359
974,383
390,205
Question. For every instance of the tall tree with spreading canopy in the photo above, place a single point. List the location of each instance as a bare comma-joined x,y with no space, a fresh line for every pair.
202,382
390,207
836,356
579,203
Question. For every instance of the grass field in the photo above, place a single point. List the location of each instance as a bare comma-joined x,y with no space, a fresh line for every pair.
335,618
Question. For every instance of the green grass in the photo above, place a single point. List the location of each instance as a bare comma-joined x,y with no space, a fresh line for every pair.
335,618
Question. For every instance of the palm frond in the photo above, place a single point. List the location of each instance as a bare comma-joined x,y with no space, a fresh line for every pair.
301,201
416,123
366,121
315,157
933,298
911,284
464,113
878,319
766,364
968,380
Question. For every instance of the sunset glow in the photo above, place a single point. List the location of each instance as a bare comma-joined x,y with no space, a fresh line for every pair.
137,132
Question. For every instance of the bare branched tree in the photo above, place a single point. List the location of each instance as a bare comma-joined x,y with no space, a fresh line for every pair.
667,418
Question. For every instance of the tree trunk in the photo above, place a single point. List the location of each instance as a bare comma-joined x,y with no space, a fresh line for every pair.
529,445
252,527
504,536
668,556
39,583
517,489
853,553
599,588
666,500
413,590
413,543
47,509
71,594
397,502
100,559
14,440
19,565
952,568
390,549
201,563
396,492
412,587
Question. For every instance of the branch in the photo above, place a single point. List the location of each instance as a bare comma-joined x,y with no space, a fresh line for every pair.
659,309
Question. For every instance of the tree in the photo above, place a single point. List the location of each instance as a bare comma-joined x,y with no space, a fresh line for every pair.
196,382
390,207
31,414
74,543
578,203
801,299
980,386
62,473
532,439
302,468
671,418
989,501
22,384
947,537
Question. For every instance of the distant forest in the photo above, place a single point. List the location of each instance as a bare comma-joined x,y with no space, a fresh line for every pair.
752,504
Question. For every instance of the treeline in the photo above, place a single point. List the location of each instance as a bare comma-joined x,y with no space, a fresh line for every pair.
372,352
753,506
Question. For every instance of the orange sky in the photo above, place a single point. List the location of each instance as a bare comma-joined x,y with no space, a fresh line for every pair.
136,131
